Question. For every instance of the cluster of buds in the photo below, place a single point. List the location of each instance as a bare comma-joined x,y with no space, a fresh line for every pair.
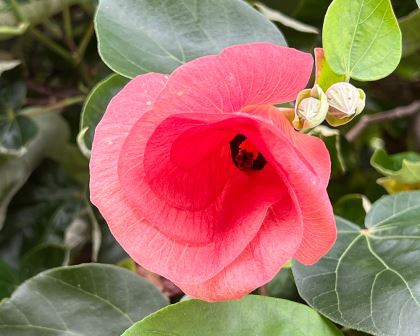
338,105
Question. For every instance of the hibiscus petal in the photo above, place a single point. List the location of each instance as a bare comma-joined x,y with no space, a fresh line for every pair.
318,219
248,74
142,241
312,149
151,179
275,243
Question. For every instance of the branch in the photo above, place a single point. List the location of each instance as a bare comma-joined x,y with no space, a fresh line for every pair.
398,112
56,107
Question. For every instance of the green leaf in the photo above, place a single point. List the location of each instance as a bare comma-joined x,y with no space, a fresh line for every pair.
110,251
369,281
409,68
402,171
129,264
361,39
12,95
16,132
283,285
14,172
403,167
9,279
250,316
139,36
95,106
410,28
89,299
41,258
41,213
353,207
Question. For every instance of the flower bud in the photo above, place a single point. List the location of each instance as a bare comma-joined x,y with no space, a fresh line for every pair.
345,102
310,109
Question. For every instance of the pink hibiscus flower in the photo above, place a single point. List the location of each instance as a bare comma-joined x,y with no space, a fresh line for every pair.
203,181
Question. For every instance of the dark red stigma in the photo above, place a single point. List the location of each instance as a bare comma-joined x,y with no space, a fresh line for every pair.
244,155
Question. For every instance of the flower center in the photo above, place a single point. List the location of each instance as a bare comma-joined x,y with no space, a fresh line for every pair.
244,154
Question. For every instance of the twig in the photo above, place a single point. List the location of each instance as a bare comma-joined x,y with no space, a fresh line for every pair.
68,29
53,93
48,42
81,49
396,113
56,107
51,44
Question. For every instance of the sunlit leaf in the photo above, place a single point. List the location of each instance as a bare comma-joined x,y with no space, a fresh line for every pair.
402,170
250,316
362,39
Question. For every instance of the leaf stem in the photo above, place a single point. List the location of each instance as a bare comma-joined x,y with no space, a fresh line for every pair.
84,42
14,30
17,12
52,45
68,30
48,42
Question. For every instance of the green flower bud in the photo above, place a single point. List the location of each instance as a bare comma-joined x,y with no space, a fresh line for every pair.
345,102
310,109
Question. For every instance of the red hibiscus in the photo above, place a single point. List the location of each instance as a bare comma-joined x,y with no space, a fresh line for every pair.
203,181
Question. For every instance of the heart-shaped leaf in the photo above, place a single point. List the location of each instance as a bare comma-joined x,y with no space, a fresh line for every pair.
250,316
95,106
370,279
139,36
85,300
361,39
